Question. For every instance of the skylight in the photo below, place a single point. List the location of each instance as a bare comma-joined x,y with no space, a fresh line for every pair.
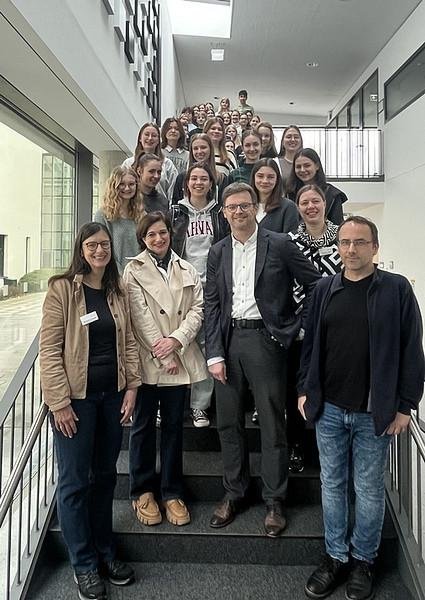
200,17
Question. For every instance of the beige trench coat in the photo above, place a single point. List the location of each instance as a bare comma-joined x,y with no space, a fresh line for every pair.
166,309
64,344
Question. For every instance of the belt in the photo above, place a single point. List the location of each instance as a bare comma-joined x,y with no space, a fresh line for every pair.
248,323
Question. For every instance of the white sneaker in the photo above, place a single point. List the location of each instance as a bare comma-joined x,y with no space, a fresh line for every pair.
200,418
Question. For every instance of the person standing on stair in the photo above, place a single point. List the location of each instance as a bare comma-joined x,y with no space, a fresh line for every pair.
249,324
90,373
197,223
362,373
166,301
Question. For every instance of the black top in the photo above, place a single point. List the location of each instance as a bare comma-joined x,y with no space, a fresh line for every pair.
102,373
345,339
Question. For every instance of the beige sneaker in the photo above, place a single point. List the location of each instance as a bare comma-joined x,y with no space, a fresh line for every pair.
177,512
147,510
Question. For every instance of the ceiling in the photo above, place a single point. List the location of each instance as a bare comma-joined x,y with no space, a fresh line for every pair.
271,42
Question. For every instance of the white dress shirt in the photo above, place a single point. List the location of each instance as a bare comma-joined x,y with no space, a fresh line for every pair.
244,305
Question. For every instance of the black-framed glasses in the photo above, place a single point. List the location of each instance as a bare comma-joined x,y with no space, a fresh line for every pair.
244,206
92,246
356,243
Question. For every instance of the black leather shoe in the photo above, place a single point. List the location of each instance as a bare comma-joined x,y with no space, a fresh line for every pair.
328,575
360,581
224,514
275,521
90,586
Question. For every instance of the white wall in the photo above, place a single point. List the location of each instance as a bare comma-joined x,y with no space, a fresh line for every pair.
68,60
403,213
284,119
172,97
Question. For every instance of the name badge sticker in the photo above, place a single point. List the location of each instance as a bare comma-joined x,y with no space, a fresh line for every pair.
89,318
325,251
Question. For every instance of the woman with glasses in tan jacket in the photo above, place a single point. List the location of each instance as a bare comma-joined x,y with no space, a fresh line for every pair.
89,376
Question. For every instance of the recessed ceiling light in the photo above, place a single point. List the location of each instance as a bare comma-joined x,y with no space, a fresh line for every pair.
217,54
312,64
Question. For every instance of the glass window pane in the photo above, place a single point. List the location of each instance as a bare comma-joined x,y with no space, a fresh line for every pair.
407,85
342,119
31,168
370,102
355,111
57,167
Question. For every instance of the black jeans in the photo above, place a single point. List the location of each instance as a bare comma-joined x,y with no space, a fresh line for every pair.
143,441
87,478
254,361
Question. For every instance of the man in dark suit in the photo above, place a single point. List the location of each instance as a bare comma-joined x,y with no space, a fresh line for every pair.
250,323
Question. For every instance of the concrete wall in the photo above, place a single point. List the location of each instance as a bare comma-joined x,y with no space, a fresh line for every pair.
66,57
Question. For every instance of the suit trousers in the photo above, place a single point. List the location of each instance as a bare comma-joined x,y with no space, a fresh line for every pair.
257,362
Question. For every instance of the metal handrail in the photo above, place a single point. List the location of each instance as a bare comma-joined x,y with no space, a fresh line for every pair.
404,495
28,481
418,435
18,380
18,470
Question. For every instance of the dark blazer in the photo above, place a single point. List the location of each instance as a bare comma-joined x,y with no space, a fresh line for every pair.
282,219
395,342
278,263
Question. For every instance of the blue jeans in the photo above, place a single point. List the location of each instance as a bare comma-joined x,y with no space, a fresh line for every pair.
143,476
341,434
87,478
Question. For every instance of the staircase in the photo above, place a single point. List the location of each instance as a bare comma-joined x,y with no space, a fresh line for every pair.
196,562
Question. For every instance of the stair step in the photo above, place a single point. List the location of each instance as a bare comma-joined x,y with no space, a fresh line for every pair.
241,542
206,438
203,479
162,581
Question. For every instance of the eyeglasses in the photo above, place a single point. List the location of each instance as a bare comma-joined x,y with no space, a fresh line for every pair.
92,246
232,208
356,243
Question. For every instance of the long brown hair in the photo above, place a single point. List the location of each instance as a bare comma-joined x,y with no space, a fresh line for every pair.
79,265
224,157
139,151
210,161
275,198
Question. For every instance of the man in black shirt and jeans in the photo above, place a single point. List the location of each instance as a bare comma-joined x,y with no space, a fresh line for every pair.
362,372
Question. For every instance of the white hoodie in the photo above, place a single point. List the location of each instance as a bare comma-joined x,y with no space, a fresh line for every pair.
199,237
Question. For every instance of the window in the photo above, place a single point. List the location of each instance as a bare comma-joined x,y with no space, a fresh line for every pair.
370,102
36,217
362,110
406,85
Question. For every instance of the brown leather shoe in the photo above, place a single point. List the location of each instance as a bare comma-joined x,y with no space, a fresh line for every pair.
147,510
275,521
224,514
176,511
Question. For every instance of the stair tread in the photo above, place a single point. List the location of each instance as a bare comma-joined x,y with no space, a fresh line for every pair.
209,463
191,581
304,521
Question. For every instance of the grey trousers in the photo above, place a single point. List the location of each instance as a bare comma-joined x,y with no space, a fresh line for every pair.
258,362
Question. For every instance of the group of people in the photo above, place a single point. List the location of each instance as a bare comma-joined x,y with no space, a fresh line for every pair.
206,277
